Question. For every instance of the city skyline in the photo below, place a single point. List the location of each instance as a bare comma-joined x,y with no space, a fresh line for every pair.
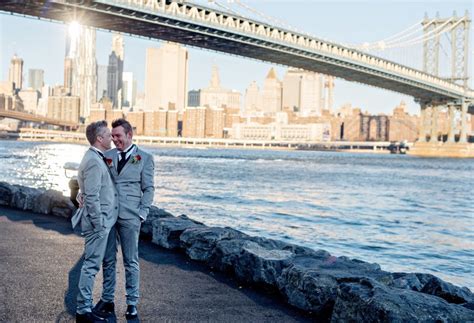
236,73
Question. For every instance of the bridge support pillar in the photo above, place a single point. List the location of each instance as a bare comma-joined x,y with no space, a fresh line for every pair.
452,122
422,128
434,124
463,136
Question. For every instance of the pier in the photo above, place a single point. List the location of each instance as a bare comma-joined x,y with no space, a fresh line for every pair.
33,134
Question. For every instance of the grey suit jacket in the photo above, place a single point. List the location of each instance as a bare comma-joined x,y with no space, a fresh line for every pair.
135,183
100,196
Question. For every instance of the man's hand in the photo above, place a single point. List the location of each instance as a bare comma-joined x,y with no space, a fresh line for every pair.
80,199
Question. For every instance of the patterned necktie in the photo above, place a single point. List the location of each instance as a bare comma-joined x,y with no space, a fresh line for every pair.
122,161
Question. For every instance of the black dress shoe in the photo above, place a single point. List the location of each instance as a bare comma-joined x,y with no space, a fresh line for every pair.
132,312
104,309
88,318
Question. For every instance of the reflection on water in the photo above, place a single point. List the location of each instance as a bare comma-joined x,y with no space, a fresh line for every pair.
407,214
38,165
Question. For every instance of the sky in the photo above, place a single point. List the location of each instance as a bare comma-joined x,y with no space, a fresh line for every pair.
41,44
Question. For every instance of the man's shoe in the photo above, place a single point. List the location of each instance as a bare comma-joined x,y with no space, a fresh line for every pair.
88,318
104,309
132,312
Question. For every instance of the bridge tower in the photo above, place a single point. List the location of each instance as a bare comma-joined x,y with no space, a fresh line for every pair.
457,30
453,67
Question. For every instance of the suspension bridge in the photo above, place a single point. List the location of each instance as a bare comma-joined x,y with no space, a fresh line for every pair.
225,30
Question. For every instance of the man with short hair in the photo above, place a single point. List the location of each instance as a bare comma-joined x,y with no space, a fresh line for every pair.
133,173
98,215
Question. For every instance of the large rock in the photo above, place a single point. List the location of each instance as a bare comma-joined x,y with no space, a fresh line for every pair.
200,242
167,231
256,259
311,282
155,213
55,203
7,192
432,285
25,198
366,300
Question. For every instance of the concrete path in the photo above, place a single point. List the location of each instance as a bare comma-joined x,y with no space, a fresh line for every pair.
40,259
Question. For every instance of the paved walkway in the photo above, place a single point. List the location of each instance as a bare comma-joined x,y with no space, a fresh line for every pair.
39,270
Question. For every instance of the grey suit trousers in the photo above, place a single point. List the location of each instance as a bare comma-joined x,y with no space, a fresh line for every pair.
94,251
125,231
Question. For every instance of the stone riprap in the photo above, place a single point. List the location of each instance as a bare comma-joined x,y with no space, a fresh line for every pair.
332,288
36,200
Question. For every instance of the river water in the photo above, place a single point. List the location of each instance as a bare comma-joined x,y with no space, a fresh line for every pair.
405,213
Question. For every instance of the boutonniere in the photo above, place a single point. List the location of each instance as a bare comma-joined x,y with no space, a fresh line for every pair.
136,159
109,162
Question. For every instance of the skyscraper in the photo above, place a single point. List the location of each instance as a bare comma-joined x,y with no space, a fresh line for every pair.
271,94
15,75
216,96
252,99
115,71
68,74
166,77
101,81
36,79
129,89
80,48
302,92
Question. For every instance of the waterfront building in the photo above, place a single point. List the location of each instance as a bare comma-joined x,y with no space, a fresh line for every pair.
42,109
15,74
194,122
136,119
302,92
29,97
115,72
36,79
172,123
68,74
155,123
215,96
81,49
6,87
252,99
194,98
101,82
214,124
6,101
282,132
271,94
403,126
129,89
65,108
112,115
166,77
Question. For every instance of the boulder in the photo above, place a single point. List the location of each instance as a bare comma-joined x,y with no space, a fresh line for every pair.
200,242
25,198
155,213
256,259
166,231
432,285
7,192
366,300
311,282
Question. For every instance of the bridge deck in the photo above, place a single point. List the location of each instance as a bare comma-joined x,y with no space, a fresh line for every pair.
40,267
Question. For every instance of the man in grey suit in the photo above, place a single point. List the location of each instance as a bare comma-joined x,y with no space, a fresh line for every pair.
133,174
98,215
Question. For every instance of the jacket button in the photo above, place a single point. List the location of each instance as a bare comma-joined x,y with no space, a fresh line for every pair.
116,208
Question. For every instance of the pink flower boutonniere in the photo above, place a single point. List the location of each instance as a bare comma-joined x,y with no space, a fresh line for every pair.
109,162
136,159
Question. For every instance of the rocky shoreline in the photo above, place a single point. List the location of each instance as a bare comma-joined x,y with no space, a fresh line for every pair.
331,288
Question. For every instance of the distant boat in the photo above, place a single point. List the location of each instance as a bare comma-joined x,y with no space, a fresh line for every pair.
398,147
